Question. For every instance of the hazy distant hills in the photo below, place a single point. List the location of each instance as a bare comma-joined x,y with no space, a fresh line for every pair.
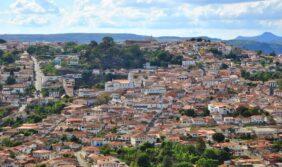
87,37
266,42
76,37
266,37
253,45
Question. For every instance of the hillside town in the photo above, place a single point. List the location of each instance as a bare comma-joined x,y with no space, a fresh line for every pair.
194,102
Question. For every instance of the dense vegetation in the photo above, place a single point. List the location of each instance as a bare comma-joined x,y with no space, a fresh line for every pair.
2,41
279,84
193,113
7,57
10,80
6,142
162,58
261,76
4,111
36,112
247,112
43,51
108,55
218,137
88,79
170,154
234,55
49,69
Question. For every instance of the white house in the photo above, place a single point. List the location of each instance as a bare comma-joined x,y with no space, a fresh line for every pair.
83,92
98,142
154,90
229,120
257,119
118,84
41,154
221,108
188,63
139,138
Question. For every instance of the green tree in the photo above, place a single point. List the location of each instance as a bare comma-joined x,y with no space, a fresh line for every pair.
272,54
183,164
218,137
200,145
277,146
7,57
279,82
2,41
143,160
107,42
9,143
93,44
259,52
206,112
224,66
188,112
49,69
103,98
167,161
10,80
203,162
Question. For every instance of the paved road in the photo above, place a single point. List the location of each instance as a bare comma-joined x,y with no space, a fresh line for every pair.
80,160
38,74
152,122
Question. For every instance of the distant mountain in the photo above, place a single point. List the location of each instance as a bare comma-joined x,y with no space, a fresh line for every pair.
266,37
87,37
255,46
266,42
76,37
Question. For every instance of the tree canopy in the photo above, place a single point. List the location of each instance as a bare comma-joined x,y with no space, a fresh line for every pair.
170,154
218,137
2,41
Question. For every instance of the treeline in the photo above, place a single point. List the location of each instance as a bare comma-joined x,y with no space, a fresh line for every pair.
261,75
170,154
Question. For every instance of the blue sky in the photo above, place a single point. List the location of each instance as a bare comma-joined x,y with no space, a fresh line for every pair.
224,19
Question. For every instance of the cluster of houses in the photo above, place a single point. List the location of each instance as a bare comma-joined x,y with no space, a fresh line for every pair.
21,72
146,107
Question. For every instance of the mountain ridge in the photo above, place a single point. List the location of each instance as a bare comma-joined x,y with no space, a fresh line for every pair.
266,37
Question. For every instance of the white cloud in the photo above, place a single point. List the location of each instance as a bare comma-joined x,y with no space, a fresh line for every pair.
248,10
179,17
26,6
109,13
32,12
32,19
33,6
